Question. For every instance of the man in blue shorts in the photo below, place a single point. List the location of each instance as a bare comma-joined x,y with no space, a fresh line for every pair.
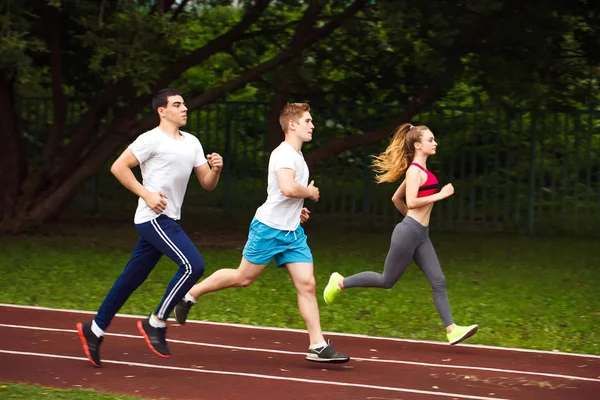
275,232
167,157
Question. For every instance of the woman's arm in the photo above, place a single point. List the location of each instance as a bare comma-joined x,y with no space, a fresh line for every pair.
413,181
398,198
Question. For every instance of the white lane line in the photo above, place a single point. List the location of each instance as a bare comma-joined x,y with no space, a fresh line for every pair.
249,375
295,353
354,335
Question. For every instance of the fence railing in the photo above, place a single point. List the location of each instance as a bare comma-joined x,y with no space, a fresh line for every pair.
512,171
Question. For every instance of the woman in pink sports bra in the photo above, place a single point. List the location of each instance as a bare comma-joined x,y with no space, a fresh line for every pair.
408,151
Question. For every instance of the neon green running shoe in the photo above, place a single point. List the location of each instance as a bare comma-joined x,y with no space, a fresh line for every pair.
461,333
331,290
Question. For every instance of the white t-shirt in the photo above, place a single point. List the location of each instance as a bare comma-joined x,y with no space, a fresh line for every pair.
166,166
279,211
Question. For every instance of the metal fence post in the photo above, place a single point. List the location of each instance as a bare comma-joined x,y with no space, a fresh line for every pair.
227,180
531,196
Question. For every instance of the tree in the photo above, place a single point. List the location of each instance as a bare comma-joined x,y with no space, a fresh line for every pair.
110,56
413,53
409,53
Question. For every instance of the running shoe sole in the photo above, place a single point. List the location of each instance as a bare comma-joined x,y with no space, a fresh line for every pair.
466,335
148,342
86,349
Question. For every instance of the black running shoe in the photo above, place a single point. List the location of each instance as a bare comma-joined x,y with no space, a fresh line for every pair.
155,338
181,311
326,354
91,343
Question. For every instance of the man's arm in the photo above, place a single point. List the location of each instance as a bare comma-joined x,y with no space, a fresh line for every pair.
208,174
286,178
121,169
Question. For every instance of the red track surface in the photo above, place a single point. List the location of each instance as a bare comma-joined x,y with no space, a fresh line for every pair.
213,361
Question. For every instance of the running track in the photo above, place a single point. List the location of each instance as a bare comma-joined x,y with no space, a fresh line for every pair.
223,361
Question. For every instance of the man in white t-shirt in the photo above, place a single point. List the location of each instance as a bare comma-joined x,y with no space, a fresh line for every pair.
275,232
166,157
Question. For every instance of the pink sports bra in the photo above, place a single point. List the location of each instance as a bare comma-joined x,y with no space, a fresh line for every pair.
431,185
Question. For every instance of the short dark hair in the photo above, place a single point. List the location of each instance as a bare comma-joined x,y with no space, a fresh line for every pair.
161,98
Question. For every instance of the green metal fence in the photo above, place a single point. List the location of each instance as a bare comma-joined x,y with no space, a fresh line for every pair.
512,171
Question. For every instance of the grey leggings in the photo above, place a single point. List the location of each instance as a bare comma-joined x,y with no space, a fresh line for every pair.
410,240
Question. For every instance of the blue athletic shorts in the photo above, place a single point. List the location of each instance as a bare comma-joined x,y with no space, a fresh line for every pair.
265,242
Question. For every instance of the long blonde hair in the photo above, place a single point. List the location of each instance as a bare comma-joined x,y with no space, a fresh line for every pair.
391,164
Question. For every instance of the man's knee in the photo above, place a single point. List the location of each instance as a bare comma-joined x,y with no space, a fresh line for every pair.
197,267
307,285
243,280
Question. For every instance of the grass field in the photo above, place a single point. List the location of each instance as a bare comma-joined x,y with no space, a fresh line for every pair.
12,391
528,292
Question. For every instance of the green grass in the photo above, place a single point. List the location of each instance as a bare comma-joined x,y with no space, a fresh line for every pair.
527,292
15,391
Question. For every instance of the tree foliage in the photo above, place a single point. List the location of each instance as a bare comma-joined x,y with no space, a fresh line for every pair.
109,57
100,62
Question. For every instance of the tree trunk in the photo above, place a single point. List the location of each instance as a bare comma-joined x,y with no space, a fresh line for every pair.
280,97
47,205
12,160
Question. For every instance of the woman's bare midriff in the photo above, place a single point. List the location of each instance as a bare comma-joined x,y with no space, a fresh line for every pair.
421,214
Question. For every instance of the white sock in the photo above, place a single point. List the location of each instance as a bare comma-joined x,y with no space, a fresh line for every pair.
188,297
96,330
156,323
318,345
